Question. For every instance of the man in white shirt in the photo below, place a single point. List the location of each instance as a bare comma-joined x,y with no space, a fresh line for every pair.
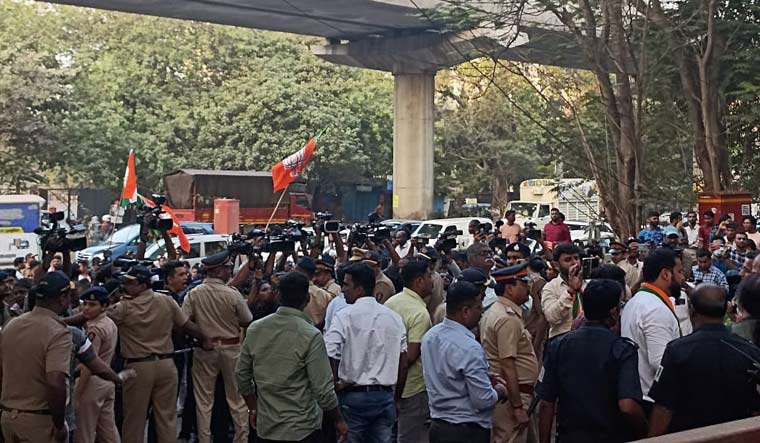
403,245
692,229
366,343
649,318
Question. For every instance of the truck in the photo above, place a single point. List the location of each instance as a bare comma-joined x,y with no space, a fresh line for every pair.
577,198
20,215
191,194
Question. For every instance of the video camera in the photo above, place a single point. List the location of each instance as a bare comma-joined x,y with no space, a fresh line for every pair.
374,232
531,232
329,224
151,216
278,238
55,233
448,238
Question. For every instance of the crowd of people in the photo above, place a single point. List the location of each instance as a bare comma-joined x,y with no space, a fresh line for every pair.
389,339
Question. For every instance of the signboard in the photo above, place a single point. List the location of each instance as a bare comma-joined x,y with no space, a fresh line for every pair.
471,201
20,215
17,245
395,201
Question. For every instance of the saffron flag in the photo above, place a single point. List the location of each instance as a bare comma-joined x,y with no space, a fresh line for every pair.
284,172
176,229
129,192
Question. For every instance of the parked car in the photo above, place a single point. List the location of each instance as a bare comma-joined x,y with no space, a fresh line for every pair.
579,232
432,229
201,246
124,241
396,224
197,228
120,243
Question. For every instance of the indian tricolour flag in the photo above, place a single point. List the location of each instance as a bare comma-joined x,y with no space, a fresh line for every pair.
129,192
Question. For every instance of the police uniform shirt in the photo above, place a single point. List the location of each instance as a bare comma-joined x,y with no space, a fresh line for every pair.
31,346
504,336
217,309
318,301
333,288
704,381
384,288
145,323
81,352
437,296
588,371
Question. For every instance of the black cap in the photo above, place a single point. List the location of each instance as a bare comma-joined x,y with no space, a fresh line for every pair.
511,273
95,293
326,263
53,284
373,257
3,275
499,262
216,260
428,253
139,273
475,276
519,247
307,264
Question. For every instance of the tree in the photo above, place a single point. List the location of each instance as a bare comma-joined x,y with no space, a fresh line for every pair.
186,94
483,144
32,88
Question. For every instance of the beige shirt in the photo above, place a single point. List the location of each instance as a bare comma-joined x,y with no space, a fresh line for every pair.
536,317
317,307
219,310
384,288
557,305
504,335
145,323
437,296
333,288
31,346
632,272
103,335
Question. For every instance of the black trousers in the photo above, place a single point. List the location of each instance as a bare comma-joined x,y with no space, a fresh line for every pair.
445,432
314,437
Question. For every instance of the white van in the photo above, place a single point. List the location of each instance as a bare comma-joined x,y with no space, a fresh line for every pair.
432,229
201,246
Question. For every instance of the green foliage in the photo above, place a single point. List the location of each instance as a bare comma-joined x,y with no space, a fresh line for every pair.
185,94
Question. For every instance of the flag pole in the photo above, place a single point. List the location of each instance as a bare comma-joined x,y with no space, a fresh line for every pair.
276,206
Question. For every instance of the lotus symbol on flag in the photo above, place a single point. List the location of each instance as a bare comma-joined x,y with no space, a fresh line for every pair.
295,163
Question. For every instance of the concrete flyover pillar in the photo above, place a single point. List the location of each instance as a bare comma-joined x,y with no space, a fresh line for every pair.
414,117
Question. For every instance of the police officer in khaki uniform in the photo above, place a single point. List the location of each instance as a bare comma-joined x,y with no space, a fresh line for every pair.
318,298
384,288
94,397
324,277
145,321
509,349
36,350
220,311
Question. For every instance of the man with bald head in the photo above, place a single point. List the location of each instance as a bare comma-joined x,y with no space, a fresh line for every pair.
703,379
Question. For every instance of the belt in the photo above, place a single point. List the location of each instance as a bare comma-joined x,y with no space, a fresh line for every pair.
469,425
526,389
152,357
226,341
369,388
26,411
